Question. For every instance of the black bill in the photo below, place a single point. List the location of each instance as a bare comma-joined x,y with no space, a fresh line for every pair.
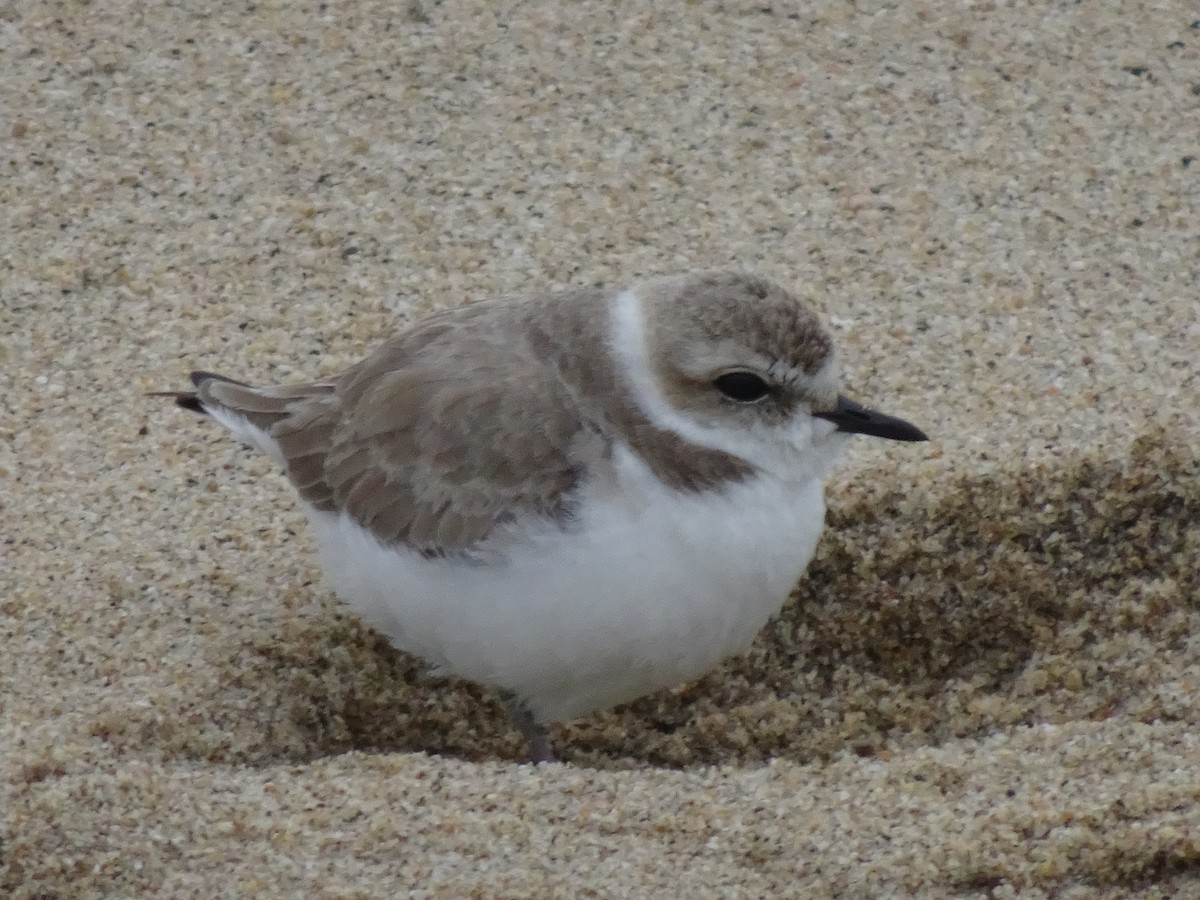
854,418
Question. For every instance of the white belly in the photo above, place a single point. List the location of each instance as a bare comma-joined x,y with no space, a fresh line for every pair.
650,588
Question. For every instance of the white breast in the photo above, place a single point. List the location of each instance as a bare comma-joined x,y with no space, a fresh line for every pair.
650,588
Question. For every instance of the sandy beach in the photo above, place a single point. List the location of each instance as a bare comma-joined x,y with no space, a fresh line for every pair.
987,684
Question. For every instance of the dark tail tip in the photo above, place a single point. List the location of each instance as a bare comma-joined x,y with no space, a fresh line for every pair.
183,399
190,402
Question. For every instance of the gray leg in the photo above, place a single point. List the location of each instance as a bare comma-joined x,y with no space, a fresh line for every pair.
535,734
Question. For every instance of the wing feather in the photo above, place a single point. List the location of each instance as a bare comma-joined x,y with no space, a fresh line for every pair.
436,440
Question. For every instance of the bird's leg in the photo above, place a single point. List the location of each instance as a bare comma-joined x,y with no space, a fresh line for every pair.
534,733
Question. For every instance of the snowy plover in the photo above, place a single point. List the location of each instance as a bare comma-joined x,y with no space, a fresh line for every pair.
576,498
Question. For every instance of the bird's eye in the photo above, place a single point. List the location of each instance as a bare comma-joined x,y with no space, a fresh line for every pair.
744,387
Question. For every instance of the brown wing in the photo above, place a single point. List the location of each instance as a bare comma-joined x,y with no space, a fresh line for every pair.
443,434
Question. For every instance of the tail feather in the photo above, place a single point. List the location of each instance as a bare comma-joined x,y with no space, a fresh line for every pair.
250,413
199,377
190,400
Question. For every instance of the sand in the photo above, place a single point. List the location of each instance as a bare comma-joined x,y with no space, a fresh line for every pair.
987,685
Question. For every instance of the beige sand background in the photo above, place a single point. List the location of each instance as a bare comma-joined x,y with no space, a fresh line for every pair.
989,684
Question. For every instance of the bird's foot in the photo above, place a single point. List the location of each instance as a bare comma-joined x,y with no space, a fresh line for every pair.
535,734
